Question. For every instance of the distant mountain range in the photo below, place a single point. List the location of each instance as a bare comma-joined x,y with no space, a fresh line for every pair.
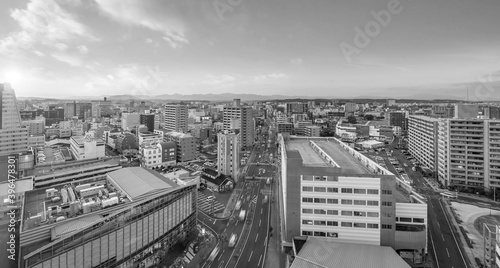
247,97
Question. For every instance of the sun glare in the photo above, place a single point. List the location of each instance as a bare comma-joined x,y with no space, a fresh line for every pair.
12,76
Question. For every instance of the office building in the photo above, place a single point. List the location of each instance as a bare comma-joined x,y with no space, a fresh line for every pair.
185,144
13,137
443,111
238,118
391,102
350,107
35,127
469,153
285,128
228,154
397,119
86,147
158,154
297,108
300,127
312,131
422,140
148,120
148,138
330,190
466,111
130,121
79,109
176,118
122,221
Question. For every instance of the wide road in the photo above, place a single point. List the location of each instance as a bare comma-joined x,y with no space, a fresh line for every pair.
442,245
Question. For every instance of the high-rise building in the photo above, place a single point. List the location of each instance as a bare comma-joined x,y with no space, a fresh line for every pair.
330,190
350,107
176,118
297,108
228,154
35,127
466,111
422,140
185,143
81,110
148,120
469,153
246,123
13,137
397,119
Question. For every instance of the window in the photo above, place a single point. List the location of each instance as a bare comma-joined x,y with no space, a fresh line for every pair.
372,191
372,214
307,199
307,232
332,212
329,234
333,201
318,178
307,178
346,213
419,220
346,224
307,222
332,178
319,222
360,202
372,225
360,213
332,223
387,192
386,226
360,191
319,200
332,190
386,204
307,210
359,225
346,202
307,188
319,234
319,211
404,219
320,189
347,190
372,203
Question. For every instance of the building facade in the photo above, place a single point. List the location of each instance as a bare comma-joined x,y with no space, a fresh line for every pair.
245,123
228,154
397,119
422,140
84,148
185,144
130,121
148,120
13,137
176,118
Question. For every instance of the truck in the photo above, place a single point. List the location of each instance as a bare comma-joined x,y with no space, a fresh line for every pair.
243,213
214,254
232,240
238,205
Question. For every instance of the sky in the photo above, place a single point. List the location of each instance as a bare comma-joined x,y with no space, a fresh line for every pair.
320,48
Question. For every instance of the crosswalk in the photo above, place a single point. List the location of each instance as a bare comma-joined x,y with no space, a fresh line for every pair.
254,200
206,205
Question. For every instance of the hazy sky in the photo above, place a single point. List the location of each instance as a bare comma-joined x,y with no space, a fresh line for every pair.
310,48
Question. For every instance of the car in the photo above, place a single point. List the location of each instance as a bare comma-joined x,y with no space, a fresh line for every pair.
406,165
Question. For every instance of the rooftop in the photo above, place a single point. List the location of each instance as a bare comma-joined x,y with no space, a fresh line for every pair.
313,158
137,181
178,134
323,252
83,139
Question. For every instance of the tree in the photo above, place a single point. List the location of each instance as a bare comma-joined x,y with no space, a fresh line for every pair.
352,119
369,117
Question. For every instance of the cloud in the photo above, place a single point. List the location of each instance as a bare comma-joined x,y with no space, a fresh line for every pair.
68,58
39,53
146,14
43,22
296,62
61,46
270,76
82,49
218,79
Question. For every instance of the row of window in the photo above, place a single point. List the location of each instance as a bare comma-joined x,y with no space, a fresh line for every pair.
345,201
405,219
327,234
319,178
343,212
342,224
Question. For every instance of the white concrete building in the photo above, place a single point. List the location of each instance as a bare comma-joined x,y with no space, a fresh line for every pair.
86,148
228,154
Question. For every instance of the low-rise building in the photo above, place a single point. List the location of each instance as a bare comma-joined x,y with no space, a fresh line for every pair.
185,144
86,147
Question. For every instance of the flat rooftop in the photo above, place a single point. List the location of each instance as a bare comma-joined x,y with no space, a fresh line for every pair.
312,158
72,166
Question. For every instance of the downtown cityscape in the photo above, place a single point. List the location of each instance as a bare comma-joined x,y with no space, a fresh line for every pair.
232,133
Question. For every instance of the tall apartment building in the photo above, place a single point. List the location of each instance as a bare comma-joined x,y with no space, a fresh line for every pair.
422,140
35,127
228,154
148,120
441,111
350,107
186,145
297,108
176,118
82,110
397,119
246,123
330,190
466,111
13,137
469,153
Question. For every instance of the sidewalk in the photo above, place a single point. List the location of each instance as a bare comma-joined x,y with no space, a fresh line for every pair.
274,256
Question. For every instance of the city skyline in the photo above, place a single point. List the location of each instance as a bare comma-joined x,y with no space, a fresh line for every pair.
399,49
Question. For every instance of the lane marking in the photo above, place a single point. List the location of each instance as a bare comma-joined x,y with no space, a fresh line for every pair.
257,236
447,252
251,253
221,255
260,222
261,258
442,236
261,210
